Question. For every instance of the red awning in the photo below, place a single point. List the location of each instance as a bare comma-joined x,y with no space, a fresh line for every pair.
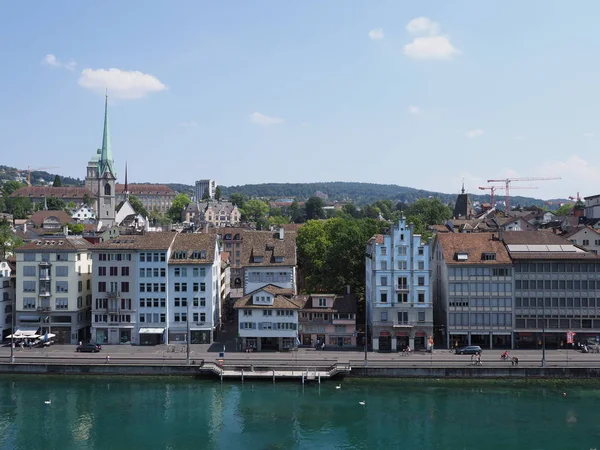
401,333
420,334
384,333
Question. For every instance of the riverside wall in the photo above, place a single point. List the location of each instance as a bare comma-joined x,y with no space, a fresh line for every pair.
356,372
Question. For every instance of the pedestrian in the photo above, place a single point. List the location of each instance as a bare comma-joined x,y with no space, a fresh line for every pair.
472,359
516,360
479,360
107,359
80,343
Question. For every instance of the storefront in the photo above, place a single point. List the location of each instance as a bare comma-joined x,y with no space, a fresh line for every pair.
402,340
151,336
340,341
385,341
420,338
201,336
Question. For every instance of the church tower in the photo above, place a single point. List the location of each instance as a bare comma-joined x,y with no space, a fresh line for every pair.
101,177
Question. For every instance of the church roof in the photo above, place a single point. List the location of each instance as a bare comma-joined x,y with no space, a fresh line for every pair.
105,162
145,189
66,192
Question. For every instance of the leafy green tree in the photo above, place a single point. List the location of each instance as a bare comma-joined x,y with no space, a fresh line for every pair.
180,202
351,210
237,199
19,207
430,211
314,208
2,204
11,186
205,195
75,228
87,200
71,205
57,181
8,240
218,193
158,219
137,206
371,211
297,212
564,209
55,204
254,210
278,220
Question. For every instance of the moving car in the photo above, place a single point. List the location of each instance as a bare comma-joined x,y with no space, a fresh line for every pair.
469,350
89,347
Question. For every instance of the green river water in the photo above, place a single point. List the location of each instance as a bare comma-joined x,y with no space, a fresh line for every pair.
182,413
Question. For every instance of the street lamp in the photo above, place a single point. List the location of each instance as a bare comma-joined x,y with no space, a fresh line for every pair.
543,333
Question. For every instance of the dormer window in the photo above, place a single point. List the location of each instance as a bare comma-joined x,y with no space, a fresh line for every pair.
257,259
462,256
489,257
279,259
322,303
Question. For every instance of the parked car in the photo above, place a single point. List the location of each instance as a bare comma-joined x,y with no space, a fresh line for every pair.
89,347
469,350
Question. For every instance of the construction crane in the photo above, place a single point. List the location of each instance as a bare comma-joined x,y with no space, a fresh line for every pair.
493,190
507,182
578,198
29,169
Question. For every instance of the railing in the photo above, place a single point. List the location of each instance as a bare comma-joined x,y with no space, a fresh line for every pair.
113,294
45,293
401,287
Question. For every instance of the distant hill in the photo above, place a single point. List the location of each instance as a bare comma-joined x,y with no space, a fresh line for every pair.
358,193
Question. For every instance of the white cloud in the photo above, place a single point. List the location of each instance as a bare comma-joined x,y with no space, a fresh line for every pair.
433,47
472,134
415,110
51,60
189,124
376,33
121,84
589,135
423,25
265,121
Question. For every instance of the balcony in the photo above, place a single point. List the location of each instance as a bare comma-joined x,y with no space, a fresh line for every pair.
45,293
401,287
113,294
45,276
44,308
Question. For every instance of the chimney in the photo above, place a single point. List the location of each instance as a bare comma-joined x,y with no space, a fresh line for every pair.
281,233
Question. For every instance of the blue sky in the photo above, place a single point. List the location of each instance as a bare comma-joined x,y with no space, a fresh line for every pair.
420,94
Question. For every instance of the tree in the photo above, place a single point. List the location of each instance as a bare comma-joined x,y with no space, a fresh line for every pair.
137,206
254,210
180,202
8,240
71,205
158,219
430,211
55,204
278,220
564,209
11,186
57,181
237,199
205,195
218,193
297,212
75,228
314,208
19,207
87,200
351,210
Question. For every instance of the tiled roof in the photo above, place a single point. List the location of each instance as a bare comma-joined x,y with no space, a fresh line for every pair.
474,245
377,239
39,217
576,230
149,241
194,244
266,244
541,238
341,303
533,238
555,256
282,299
55,244
67,192
145,189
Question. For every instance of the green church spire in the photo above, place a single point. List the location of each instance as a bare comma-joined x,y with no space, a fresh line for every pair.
106,162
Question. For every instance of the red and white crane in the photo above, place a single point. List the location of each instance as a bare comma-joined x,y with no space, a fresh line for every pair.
507,182
493,190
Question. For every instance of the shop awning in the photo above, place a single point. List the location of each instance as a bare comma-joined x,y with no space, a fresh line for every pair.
152,330
26,331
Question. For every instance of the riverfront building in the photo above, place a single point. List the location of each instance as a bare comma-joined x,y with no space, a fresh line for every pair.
398,295
7,297
194,288
53,291
268,319
557,289
472,279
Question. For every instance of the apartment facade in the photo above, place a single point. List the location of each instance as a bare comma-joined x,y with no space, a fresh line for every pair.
194,288
205,188
7,297
53,288
328,319
556,288
154,197
130,289
398,291
268,319
472,282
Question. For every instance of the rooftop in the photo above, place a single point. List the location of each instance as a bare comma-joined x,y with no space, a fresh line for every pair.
193,248
149,241
282,299
71,243
472,248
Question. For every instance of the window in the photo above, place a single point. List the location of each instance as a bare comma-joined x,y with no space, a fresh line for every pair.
322,302
421,281
28,303
421,316
177,272
384,316
124,286
247,312
384,281
195,287
202,287
403,317
114,271
79,286
383,297
421,265
489,257
267,312
202,317
402,297
107,189
29,257
383,251
102,286
102,271
62,286
421,297
28,286
403,283
420,251
383,265
586,242
62,303
29,271
124,271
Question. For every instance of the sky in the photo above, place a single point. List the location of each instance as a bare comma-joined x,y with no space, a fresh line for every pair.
419,94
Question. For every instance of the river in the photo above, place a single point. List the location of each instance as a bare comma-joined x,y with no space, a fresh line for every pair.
181,413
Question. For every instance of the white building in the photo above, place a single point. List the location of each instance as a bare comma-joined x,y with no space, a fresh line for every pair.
7,298
398,290
194,288
53,292
584,236
130,289
83,213
269,258
203,186
268,319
